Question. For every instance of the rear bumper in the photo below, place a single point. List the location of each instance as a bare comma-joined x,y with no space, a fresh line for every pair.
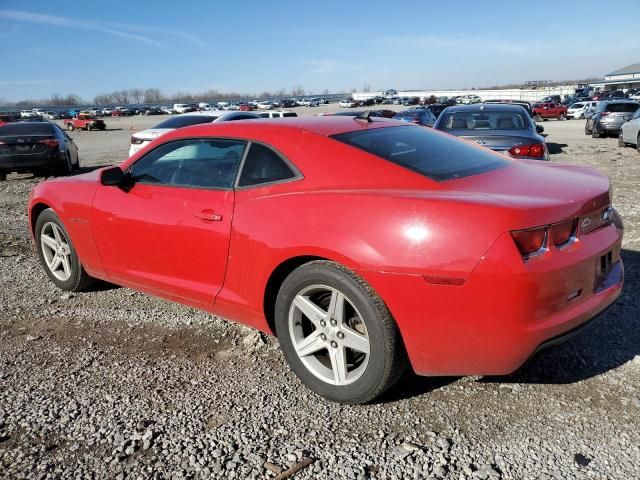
609,126
505,310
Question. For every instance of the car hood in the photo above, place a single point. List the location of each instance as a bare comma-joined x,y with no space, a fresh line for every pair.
544,193
151,133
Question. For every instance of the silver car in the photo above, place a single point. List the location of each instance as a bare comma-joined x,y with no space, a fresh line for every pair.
630,132
507,129
609,117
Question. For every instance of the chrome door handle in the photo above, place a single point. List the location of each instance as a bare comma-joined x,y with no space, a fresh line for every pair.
209,216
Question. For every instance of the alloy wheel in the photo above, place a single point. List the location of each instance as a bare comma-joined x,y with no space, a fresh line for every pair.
56,251
329,335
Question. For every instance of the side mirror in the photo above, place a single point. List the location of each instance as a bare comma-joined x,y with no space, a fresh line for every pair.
112,177
539,128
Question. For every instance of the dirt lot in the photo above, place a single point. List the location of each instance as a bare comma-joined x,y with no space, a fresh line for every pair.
117,384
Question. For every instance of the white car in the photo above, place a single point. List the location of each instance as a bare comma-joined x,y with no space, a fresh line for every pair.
50,115
231,107
142,138
222,105
28,114
470,99
265,105
347,103
580,110
107,111
277,114
183,108
166,109
206,106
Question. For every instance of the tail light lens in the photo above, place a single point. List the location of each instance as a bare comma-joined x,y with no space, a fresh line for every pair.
530,241
534,150
562,232
136,141
49,142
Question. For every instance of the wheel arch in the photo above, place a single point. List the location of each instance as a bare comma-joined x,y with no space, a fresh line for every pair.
275,280
34,212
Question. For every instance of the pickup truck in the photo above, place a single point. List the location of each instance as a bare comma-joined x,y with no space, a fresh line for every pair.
547,110
84,122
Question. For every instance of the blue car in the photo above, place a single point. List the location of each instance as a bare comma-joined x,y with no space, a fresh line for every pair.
419,116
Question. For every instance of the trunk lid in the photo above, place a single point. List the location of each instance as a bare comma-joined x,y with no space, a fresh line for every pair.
24,145
543,193
498,142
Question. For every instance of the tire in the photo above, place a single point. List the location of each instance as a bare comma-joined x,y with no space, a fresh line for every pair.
621,142
69,275
88,127
70,127
538,117
365,321
638,143
562,117
67,168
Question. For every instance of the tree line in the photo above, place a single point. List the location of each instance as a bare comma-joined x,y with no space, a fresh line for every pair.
152,96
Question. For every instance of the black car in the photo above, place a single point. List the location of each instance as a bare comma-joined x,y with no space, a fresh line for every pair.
411,101
36,147
372,113
286,103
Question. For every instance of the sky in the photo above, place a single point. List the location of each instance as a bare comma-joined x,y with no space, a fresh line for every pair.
91,47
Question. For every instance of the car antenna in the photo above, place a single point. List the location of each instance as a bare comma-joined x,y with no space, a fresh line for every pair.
365,116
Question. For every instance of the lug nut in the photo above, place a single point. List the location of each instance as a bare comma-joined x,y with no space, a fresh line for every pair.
323,323
340,335
333,322
323,337
334,344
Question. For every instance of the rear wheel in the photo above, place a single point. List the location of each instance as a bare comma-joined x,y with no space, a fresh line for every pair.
58,255
638,143
337,335
70,127
538,117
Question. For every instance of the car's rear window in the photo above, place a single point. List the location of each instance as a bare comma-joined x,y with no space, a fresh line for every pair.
620,107
484,120
185,121
436,156
27,128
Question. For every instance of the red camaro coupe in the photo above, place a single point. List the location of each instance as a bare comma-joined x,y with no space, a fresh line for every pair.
364,244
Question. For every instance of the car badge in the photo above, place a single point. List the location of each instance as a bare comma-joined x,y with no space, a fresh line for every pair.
481,142
20,140
586,222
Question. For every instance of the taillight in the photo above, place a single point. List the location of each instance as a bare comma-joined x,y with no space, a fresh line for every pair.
604,114
49,142
562,232
530,241
533,150
136,141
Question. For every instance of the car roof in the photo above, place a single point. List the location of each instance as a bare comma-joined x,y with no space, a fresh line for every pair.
489,107
321,125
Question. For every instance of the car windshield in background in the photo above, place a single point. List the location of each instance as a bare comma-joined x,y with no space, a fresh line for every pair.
577,105
185,121
27,129
436,156
483,121
620,107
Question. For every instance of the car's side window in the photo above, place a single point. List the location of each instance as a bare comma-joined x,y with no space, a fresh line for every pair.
200,163
263,165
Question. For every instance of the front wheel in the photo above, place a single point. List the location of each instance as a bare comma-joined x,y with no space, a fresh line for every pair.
337,334
621,142
58,255
562,117
70,127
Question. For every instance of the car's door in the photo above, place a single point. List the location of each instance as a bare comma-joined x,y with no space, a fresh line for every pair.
169,231
630,129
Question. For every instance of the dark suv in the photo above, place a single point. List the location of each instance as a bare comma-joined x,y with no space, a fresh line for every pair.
609,117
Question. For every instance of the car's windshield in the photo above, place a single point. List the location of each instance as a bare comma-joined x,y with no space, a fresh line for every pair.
485,120
432,154
577,105
185,121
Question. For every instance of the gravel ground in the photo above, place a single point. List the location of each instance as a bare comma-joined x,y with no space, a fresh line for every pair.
117,384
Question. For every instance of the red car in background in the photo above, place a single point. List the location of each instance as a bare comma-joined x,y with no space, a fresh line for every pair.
363,244
545,111
245,107
6,118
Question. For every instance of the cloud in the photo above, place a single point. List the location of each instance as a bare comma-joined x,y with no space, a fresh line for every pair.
321,66
116,29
